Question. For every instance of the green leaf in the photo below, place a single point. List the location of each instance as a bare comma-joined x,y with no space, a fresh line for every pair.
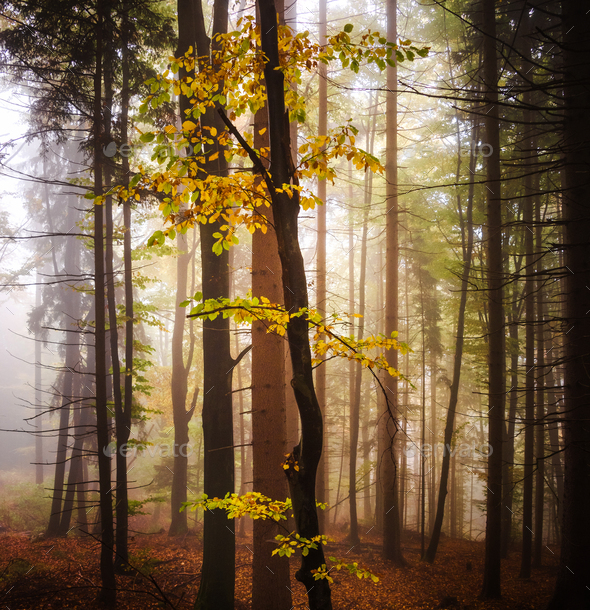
147,137
348,28
157,239
135,180
184,304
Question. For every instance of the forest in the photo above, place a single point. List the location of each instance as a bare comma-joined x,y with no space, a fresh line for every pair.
295,304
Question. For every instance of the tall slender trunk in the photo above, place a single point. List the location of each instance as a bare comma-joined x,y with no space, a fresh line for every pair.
389,475
38,393
76,464
496,389
422,507
571,589
433,434
530,373
53,528
355,406
121,424
268,411
108,592
540,414
353,535
216,590
123,419
306,455
510,427
454,393
322,483
187,35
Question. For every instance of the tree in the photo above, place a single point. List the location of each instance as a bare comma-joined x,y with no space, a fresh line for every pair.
494,271
389,479
571,588
214,194
108,591
323,481
454,394
187,35
269,423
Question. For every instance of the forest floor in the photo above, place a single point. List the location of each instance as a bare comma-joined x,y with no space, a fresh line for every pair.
64,574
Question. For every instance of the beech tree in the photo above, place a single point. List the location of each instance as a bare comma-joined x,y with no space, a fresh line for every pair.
196,190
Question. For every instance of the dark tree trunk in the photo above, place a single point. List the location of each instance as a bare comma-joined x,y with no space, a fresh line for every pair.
122,424
491,583
75,474
530,372
187,36
53,528
307,454
454,394
540,395
108,592
571,589
216,591
388,463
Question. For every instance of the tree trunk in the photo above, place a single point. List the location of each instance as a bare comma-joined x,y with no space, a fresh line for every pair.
541,376
353,536
389,478
571,589
454,393
108,592
270,574
491,583
216,591
323,482
187,36
38,392
306,455
530,373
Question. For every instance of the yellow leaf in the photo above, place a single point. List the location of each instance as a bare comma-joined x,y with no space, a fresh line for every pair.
214,156
262,131
189,126
213,131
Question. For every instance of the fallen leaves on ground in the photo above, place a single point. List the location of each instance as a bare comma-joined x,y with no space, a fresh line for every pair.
64,574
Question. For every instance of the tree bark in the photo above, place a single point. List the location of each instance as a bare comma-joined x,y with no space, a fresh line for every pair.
270,574
496,389
322,483
216,591
306,455
454,394
187,36
108,592
388,462
571,589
